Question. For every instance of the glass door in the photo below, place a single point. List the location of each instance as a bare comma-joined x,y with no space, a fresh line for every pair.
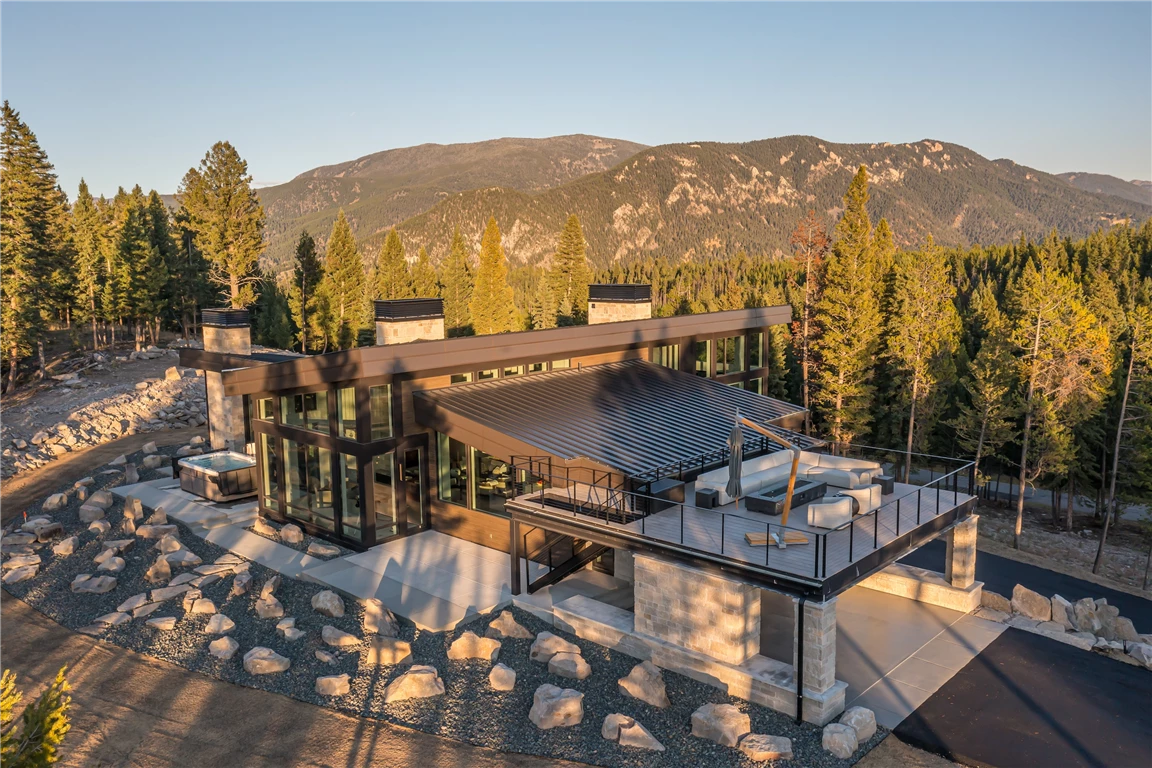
412,470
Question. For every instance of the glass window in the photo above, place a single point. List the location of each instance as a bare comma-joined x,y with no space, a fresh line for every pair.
489,374
263,409
346,412
730,355
492,482
513,370
380,403
308,410
561,364
667,355
703,358
755,385
350,517
755,350
413,473
452,469
308,490
384,495
270,469
536,367
461,378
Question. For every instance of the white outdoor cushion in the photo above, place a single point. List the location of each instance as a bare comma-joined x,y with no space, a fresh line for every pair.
830,512
867,496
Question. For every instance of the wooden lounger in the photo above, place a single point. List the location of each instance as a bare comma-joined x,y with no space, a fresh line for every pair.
761,539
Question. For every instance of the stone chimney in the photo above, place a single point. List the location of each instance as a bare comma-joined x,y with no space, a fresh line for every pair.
614,302
229,332
399,321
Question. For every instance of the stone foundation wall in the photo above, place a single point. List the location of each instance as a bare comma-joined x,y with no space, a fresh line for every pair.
925,586
225,414
404,331
699,611
617,311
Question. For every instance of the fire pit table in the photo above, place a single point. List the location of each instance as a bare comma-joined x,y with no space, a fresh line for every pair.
770,500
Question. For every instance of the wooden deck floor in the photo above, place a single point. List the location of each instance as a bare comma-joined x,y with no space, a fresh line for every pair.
722,530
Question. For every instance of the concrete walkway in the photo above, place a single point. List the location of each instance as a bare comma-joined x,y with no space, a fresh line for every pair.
134,711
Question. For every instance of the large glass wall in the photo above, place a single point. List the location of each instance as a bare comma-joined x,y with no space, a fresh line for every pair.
384,495
492,482
346,412
412,472
452,469
308,487
270,471
755,350
667,355
351,520
703,358
729,355
380,401
308,410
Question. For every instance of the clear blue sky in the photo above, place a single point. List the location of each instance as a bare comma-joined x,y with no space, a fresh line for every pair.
136,93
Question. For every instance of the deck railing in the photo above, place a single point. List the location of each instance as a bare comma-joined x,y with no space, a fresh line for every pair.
610,499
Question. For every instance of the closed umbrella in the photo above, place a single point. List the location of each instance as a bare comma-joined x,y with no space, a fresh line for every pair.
735,461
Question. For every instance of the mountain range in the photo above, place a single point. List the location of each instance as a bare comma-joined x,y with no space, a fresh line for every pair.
682,200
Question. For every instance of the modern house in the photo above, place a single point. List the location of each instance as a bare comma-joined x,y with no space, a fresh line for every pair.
602,446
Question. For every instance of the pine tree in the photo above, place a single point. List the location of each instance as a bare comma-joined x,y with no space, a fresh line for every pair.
171,291
425,284
848,320
88,237
456,288
922,332
343,284
33,225
273,317
302,297
569,275
392,279
44,724
492,307
227,220
810,244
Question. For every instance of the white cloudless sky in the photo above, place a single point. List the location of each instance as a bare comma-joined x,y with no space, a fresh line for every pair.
132,93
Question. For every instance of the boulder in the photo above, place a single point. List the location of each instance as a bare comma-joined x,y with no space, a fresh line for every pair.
263,527
112,564
840,740
419,682
646,683
264,661
570,665
338,638
23,573
328,603
128,525
152,462
196,442
610,730
133,508
219,624
183,558
554,707
1141,653
1125,631
112,619
471,646
150,447
159,517
131,475
287,628
171,374
156,531
1062,612
21,561
200,582
101,527
378,620
203,605
145,610
269,586
40,438
721,723
159,572
166,623
90,514
46,533
167,593
1023,622
326,657
548,645
269,608
862,720
502,678
1031,604
316,549
225,648
1050,627
94,584
119,546
121,460
505,625
628,733
291,534
760,748
56,501
384,651
1107,615
333,685
1084,616
102,499
240,583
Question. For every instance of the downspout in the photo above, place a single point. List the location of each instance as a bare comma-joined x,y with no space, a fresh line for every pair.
799,675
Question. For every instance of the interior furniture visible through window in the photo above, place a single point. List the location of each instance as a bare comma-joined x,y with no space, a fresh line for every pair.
536,367
492,483
308,487
489,374
350,516
452,469
308,410
461,378
513,370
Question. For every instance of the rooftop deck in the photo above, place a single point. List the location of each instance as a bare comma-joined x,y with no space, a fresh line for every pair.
832,559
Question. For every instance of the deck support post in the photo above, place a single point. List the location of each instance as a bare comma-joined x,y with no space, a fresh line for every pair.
960,554
514,555
814,661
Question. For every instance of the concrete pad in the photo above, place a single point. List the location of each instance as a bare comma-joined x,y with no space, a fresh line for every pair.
945,654
268,553
925,586
922,674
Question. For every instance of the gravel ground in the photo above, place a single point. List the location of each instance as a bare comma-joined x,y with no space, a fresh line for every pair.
303,546
470,711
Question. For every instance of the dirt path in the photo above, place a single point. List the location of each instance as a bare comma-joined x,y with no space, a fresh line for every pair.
132,710
18,492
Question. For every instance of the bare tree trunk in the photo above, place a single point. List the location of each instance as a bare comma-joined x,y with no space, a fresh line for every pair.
40,356
1054,500
804,348
1068,504
1110,502
911,428
12,366
1027,431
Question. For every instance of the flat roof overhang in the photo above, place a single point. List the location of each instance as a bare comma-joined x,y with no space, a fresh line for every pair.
630,416
244,376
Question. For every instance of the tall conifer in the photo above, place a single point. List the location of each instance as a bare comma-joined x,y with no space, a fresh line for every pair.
569,275
302,298
392,279
343,284
425,284
493,308
88,238
456,287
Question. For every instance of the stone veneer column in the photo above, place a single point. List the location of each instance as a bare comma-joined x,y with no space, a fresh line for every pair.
225,331
614,303
821,702
399,321
960,554
697,610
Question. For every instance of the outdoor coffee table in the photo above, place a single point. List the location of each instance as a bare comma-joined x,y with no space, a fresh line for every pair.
771,500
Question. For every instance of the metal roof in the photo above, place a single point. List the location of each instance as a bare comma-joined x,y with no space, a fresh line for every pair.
631,416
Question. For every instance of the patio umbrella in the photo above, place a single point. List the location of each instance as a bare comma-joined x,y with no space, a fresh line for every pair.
735,460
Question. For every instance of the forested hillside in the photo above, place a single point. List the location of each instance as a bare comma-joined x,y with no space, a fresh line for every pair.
709,199
1104,184
380,190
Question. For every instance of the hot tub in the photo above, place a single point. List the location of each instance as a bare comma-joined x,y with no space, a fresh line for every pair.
220,476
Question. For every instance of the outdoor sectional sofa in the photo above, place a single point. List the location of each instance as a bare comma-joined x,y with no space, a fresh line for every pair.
772,469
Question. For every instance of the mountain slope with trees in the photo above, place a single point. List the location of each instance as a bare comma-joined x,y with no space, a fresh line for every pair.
380,190
1102,183
702,200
